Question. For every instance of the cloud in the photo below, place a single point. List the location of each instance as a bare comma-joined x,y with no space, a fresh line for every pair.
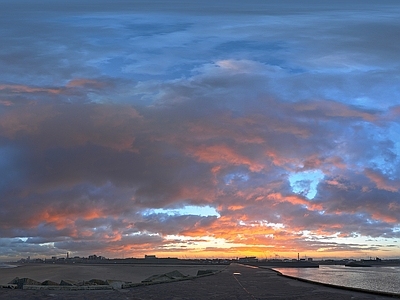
104,117
383,182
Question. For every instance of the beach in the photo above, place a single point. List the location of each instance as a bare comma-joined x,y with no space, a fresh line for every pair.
235,281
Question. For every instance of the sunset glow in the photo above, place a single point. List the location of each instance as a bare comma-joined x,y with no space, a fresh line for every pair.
200,129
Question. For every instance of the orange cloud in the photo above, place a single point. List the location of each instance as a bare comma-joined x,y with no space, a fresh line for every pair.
334,109
6,102
15,88
295,200
25,119
222,154
83,82
235,207
74,83
393,113
280,160
384,217
381,181
337,184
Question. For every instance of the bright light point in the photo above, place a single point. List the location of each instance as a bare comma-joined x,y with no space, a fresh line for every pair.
306,183
190,210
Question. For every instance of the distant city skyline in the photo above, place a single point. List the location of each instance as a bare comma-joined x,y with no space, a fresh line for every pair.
200,129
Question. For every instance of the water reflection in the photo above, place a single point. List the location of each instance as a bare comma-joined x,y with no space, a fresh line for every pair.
384,279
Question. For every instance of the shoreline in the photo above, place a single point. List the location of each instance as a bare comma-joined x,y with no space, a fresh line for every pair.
376,280
349,288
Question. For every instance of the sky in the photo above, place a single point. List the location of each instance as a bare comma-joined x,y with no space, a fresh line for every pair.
196,129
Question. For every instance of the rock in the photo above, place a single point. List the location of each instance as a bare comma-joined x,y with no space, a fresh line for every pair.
175,275
14,281
49,282
155,278
96,282
67,282
20,282
116,284
164,277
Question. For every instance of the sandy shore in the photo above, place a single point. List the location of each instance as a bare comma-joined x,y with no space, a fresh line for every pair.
124,272
236,282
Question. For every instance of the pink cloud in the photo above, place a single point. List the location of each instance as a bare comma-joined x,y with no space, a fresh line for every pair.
6,102
222,154
85,83
381,181
15,88
334,109
295,200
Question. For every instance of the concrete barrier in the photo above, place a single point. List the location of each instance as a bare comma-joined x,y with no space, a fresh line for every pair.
67,287
8,286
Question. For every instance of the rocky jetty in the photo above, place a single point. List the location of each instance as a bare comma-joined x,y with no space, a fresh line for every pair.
28,283
174,275
99,284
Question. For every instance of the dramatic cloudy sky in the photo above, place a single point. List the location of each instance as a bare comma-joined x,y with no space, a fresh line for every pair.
199,128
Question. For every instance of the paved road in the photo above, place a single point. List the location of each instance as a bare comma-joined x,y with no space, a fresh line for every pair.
236,282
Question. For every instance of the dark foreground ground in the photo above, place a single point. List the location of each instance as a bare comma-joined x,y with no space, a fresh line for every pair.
236,282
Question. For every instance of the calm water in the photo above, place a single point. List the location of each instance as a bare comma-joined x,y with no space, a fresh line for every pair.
385,279
7,266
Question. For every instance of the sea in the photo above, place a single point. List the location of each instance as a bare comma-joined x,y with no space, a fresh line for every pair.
7,266
382,279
